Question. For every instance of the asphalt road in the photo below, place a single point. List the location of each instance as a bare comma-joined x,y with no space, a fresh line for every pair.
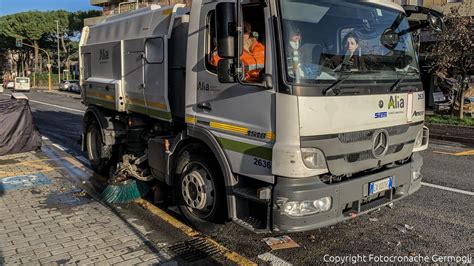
433,221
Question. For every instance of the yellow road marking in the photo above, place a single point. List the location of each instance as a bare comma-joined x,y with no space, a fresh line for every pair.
35,164
26,162
462,153
229,254
17,173
168,218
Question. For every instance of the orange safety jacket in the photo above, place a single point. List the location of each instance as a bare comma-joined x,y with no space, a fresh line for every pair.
253,60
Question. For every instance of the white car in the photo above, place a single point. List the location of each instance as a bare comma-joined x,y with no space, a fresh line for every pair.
11,85
22,84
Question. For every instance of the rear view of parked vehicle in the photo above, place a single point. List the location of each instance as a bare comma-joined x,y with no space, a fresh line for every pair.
22,84
69,85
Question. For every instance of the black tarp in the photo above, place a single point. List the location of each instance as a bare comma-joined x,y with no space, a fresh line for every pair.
17,130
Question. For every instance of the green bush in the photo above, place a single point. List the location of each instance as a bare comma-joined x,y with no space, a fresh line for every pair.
42,80
449,120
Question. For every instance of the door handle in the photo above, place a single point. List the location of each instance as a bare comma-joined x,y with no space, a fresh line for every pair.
205,106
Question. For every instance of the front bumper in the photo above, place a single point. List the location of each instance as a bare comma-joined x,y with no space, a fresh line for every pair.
349,198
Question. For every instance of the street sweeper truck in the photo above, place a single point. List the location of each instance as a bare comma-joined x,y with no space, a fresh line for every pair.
280,115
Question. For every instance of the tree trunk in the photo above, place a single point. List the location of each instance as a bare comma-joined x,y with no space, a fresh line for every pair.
35,44
66,53
461,96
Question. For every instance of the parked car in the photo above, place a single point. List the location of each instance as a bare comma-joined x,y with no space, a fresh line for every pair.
69,85
10,85
22,84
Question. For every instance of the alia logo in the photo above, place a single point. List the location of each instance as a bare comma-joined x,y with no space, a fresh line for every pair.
396,102
104,55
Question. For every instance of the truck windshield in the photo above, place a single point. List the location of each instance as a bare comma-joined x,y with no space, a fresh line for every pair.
326,40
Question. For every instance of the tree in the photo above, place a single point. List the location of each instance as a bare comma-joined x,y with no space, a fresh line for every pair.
39,29
29,26
453,51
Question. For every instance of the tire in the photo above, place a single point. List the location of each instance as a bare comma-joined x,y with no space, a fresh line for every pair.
94,145
199,187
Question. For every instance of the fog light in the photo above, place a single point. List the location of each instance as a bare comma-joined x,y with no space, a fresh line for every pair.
307,207
415,174
421,140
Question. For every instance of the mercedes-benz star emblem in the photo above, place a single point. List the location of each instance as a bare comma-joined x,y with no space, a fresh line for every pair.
379,143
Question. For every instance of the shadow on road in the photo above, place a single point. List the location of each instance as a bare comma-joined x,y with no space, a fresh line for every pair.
63,128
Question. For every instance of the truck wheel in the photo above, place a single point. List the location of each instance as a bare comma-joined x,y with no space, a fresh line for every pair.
94,146
199,188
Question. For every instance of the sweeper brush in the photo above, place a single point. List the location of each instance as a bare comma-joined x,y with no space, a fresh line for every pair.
124,192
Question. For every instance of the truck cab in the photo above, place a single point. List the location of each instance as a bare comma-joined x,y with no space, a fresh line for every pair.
323,124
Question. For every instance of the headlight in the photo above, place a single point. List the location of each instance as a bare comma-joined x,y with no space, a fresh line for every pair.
307,207
313,158
421,140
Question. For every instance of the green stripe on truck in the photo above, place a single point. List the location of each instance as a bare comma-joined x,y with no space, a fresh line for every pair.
148,111
247,149
103,103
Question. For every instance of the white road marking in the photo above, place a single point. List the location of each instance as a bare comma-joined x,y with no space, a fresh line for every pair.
272,259
448,189
58,106
59,147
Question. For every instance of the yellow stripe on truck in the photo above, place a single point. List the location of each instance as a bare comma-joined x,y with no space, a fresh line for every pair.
158,105
103,96
231,128
190,119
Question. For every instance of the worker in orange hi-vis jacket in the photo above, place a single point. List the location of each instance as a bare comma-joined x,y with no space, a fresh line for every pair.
253,55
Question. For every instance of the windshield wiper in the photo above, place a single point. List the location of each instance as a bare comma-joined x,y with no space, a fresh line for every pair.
335,84
394,87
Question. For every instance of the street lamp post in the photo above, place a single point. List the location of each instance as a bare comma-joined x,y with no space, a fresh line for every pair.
59,56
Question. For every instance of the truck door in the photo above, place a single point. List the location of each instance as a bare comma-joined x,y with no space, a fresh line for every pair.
133,75
241,116
156,87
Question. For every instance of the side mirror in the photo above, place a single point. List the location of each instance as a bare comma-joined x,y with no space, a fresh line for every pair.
389,39
436,22
226,70
226,26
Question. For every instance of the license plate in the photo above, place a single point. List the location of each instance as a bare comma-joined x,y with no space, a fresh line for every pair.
380,185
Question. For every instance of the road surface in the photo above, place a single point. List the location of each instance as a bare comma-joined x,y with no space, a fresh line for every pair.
436,221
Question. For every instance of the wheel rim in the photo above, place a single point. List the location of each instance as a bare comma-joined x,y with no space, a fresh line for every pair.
197,189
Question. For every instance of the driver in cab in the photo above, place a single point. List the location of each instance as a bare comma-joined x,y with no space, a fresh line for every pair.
352,59
252,58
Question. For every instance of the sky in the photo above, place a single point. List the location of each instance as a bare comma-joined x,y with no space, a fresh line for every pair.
14,6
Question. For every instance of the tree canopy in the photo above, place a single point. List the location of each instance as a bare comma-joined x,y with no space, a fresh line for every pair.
39,29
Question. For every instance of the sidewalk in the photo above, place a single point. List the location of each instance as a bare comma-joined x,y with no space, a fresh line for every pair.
45,218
